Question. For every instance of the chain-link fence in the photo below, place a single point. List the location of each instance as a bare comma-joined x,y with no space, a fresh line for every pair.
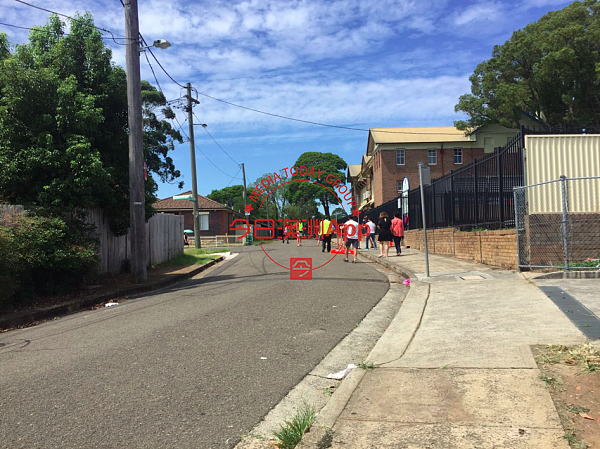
558,224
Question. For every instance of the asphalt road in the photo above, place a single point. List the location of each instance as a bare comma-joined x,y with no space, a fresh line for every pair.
182,368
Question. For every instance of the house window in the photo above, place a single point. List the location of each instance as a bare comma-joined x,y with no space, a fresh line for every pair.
400,156
458,156
432,156
399,186
488,144
203,220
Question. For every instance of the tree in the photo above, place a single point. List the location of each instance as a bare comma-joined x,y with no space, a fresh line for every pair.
63,124
550,70
302,193
338,213
231,193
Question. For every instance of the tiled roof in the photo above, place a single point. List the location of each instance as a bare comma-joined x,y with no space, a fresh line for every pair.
203,203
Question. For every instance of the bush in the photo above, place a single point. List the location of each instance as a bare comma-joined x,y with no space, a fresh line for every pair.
49,255
8,262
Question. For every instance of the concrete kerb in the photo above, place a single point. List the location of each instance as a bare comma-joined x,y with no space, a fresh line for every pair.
567,275
29,317
390,347
394,267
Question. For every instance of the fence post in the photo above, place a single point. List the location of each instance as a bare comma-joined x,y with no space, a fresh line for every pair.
433,203
423,215
517,228
500,188
452,196
476,208
563,188
522,141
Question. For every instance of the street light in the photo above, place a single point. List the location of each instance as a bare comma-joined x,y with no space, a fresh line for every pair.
159,43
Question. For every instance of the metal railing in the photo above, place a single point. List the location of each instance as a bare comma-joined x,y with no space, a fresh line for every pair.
480,194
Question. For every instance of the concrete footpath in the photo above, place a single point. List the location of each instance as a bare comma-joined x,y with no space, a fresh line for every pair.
454,369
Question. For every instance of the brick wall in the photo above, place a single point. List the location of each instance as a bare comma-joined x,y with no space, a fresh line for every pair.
386,173
218,222
497,248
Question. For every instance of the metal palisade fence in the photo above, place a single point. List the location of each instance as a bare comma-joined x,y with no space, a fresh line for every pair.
480,194
558,224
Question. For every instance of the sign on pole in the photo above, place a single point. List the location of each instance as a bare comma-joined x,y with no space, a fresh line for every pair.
182,197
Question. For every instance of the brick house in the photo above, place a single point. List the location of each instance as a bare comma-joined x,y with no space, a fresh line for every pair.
394,153
215,217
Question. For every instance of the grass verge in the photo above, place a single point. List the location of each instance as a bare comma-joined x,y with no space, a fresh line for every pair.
190,257
572,376
205,250
291,432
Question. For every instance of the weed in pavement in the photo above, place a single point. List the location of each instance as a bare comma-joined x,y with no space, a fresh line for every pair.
548,380
367,365
577,409
573,439
291,432
584,355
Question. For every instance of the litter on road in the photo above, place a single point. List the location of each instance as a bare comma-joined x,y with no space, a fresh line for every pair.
110,304
343,373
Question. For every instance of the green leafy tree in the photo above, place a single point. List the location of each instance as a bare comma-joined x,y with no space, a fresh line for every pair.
550,70
338,213
231,193
63,124
303,193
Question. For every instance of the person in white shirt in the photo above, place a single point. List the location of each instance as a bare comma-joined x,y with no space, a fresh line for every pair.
371,236
351,232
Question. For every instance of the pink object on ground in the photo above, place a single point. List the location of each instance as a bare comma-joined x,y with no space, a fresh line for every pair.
406,282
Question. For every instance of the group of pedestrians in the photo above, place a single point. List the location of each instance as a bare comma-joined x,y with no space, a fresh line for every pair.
390,232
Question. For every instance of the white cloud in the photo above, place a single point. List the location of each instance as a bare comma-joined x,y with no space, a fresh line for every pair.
478,12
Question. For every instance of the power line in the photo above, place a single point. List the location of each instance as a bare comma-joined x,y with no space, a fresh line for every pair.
152,70
47,31
207,158
311,122
180,125
163,69
222,149
75,20
238,172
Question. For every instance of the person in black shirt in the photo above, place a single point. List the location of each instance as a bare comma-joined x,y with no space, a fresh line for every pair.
385,234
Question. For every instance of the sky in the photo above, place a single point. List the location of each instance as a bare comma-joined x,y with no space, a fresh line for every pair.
354,63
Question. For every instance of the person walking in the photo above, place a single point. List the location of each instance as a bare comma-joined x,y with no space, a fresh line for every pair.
325,234
371,236
299,234
351,233
397,229
286,234
385,234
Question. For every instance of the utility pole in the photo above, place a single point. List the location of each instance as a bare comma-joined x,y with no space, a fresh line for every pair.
247,214
193,163
244,176
137,197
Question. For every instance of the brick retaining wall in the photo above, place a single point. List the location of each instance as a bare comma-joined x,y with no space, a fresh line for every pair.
497,248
